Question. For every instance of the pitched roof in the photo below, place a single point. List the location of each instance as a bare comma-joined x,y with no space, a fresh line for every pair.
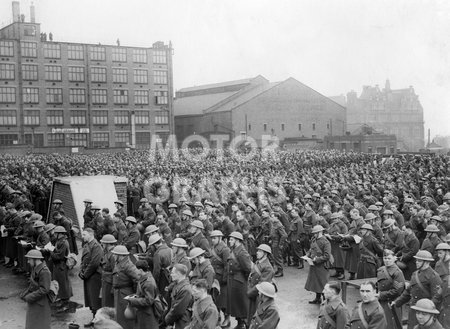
195,105
217,85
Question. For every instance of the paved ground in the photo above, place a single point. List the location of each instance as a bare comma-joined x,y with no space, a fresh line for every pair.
292,301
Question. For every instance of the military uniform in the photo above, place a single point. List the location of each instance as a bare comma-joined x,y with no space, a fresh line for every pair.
318,274
391,284
146,292
369,249
410,247
434,325
161,262
204,271
266,315
219,257
443,269
333,314
204,314
180,303
393,240
91,271
373,314
107,263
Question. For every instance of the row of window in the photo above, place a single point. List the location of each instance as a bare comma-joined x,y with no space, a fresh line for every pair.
283,126
79,117
78,96
77,52
77,74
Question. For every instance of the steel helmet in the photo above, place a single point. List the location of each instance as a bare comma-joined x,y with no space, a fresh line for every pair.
120,250
388,223
265,247
409,200
425,305
173,205
437,218
108,238
267,289
60,229
38,223
182,199
198,204
379,204
95,207
334,192
388,212
198,224
150,229
87,201
36,254
49,227
215,233
447,196
316,195
179,242
432,229
442,246
370,216
307,196
131,219
187,212
317,229
424,255
119,202
237,235
195,252
143,200
367,227
372,207
57,201
153,239
447,238
335,215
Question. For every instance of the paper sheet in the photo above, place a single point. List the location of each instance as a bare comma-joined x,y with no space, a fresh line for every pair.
357,238
309,260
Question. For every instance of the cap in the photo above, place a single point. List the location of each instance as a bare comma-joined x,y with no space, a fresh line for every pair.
150,229
195,252
198,224
316,195
215,233
265,247
425,305
424,255
266,288
432,229
131,219
236,235
317,228
60,229
57,201
120,250
36,254
179,242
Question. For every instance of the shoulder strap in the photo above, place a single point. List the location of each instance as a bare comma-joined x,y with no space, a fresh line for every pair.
361,316
388,276
368,251
214,254
328,318
416,277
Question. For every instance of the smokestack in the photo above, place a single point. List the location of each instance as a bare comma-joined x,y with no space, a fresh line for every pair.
428,136
32,14
16,11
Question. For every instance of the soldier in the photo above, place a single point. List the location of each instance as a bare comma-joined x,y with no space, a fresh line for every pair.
320,253
297,236
335,232
443,269
368,313
146,213
370,250
204,312
57,207
108,262
333,312
197,238
38,311
87,215
425,314
42,238
179,255
133,235
278,237
266,315
409,248
164,229
120,210
425,283
393,236
202,267
162,259
353,254
431,241
174,218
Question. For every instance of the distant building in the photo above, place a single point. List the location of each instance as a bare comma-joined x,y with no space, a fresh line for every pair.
256,107
62,94
390,111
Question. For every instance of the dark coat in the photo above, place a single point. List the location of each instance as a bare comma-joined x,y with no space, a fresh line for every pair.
180,301
108,264
337,311
60,271
204,314
200,241
410,247
38,311
219,257
204,271
91,270
161,262
337,227
146,292
266,315
370,249
318,274
391,284
442,268
374,316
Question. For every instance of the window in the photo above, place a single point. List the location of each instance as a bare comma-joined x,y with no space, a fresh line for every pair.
160,77
75,52
313,126
7,71
141,97
100,139
161,117
265,126
142,117
28,49
119,54
159,57
120,75
55,117
98,74
8,118
121,117
6,48
52,50
299,127
7,94
8,139
53,95
31,95
38,140
140,76
282,127
99,96
122,138
97,53
76,73
78,117
161,97
29,72
31,118
77,96
120,96
142,138
53,72
100,117
55,139
139,55
29,30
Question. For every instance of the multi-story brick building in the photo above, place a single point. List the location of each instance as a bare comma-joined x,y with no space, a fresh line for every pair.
389,111
70,94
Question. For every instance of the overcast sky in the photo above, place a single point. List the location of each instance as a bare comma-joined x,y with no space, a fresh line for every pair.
331,46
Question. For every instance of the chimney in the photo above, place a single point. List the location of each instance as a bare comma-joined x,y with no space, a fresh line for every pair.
16,11
387,86
32,14
428,136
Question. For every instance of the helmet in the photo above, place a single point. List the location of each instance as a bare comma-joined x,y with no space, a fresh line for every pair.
437,218
60,229
195,252
198,224
372,207
409,200
432,228
108,238
334,192
316,195
57,201
120,250
447,196
87,201
179,242
131,219
198,204
317,228
370,216
49,227
379,204
143,200
265,248
36,254
173,205
209,203
153,239
424,255
252,205
425,305
442,246
388,212
119,202
150,229
36,216
215,233
38,223
307,196
182,199
388,223
187,212
267,289
95,207
367,227
236,235
335,215
447,238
